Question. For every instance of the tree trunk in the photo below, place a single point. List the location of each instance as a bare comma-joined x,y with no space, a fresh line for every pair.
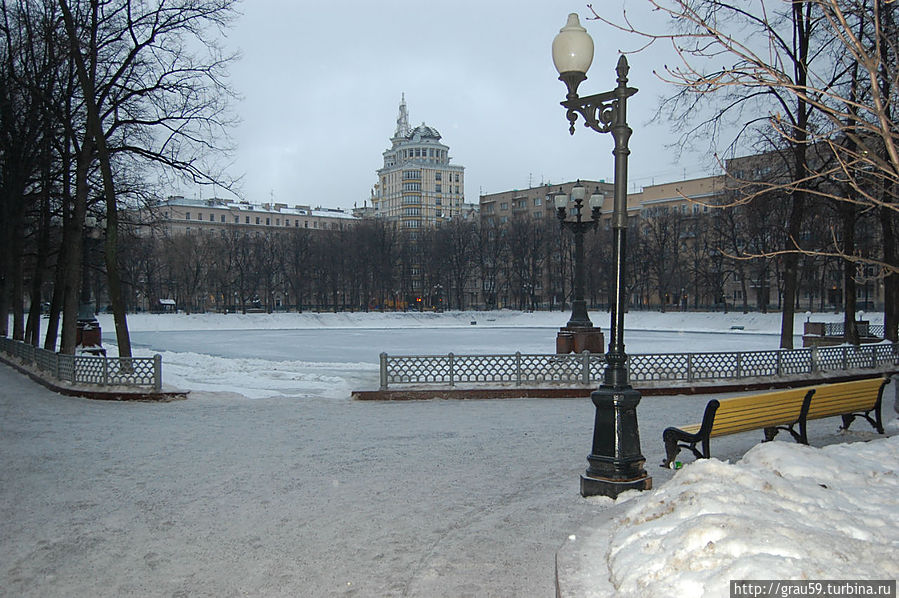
850,331
95,129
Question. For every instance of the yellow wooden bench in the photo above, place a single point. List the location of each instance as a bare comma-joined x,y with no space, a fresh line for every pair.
772,412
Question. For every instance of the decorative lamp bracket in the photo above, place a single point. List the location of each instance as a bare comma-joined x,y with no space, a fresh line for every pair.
598,111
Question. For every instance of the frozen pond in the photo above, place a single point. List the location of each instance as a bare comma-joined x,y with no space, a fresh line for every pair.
363,345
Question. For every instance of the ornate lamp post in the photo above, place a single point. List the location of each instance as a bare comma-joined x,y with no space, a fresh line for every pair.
579,335
88,335
615,461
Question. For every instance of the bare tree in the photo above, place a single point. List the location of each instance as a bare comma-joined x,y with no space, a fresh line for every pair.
785,77
146,97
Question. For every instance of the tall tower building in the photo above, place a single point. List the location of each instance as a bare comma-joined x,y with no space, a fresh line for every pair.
417,186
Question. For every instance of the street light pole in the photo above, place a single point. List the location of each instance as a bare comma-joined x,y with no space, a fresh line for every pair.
579,316
615,461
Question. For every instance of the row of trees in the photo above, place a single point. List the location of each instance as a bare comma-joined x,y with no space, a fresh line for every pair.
692,258
97,99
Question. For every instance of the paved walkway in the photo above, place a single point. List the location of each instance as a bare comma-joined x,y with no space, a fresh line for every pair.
223,496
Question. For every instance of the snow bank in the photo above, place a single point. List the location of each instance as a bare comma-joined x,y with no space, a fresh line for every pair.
785,511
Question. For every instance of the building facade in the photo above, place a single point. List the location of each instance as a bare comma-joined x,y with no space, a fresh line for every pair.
177,215
417,185
536,203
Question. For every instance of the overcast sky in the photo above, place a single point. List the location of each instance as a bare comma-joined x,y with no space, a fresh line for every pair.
321,83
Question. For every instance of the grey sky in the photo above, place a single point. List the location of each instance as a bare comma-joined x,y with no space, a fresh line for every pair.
321,83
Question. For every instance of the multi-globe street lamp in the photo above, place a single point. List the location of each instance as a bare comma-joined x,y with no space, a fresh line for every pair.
615,463
579,334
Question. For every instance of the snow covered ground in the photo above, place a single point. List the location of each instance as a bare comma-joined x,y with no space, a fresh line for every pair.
302,491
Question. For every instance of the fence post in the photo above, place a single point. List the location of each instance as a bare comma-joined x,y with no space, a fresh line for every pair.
157,372
105,371
845,357
779,362
873,357
452,369
57,367
739,364
689,367
518,368
383,371
813,360
585,367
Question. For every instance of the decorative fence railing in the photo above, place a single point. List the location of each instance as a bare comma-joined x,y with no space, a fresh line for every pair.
837,329
143,372
587,368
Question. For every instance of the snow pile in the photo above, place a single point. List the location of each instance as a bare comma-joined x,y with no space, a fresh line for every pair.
785,511
259,378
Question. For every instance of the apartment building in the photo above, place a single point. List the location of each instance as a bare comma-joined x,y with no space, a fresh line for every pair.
536,202
178,215
418,186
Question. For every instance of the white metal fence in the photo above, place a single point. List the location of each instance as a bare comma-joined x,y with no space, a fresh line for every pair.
587,368
139,372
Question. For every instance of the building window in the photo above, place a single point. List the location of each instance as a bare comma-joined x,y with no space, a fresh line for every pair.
277,222
247,219
504,206
187,215
257,219
212,218
237,220
199,215
438,176
538,201
439,188
223,219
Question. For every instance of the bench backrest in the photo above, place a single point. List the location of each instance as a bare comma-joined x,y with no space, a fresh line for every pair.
845,397
770,409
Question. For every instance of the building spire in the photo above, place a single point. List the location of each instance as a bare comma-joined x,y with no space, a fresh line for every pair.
402,121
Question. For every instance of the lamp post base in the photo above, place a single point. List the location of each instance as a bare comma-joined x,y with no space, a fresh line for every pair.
615,463
591,486
580,339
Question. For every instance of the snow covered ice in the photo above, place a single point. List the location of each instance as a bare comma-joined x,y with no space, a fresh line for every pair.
270,481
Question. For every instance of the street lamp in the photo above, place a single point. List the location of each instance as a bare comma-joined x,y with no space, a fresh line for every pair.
615,461
88,335
578,226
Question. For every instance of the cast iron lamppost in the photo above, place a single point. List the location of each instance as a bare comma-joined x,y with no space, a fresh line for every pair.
579,317
578,334
89,337
615,462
